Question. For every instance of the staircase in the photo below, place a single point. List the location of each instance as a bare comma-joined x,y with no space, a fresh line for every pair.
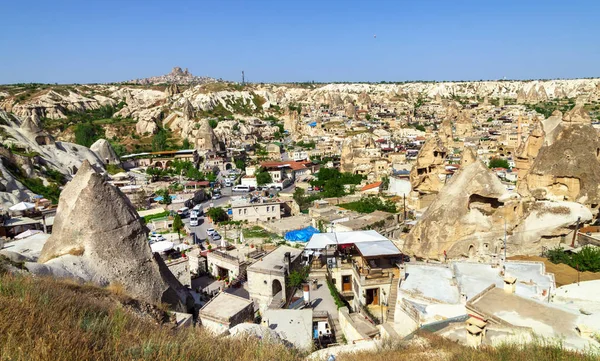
391,309
241,278
337,329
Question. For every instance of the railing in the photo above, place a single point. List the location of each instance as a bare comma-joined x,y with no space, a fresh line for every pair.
225,256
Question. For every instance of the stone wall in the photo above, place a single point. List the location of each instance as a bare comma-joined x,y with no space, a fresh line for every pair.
180,268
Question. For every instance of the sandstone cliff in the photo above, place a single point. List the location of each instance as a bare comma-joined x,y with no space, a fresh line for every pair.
97,229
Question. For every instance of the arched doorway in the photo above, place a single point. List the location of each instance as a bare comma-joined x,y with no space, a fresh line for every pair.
158,164
276,287
471,251
228,166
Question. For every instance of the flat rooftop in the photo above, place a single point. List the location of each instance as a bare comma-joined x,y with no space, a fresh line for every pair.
543,318
224,306
274,260
432,282
295,326
475,277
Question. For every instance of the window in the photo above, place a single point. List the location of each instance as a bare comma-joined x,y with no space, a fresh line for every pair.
245,210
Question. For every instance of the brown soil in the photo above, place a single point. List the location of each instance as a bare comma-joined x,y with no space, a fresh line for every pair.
563,274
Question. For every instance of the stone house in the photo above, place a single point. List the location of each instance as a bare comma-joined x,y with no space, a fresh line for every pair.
267,277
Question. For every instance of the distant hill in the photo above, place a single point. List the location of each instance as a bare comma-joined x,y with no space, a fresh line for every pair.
176,76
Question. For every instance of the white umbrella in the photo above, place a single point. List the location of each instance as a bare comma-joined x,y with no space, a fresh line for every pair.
27,233
23,206
223,243
242,241
161,246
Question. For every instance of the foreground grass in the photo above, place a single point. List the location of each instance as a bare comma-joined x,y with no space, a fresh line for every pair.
48,319
430,347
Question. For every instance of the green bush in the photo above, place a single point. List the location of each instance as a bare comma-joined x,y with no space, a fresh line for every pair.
587,259
87,133
370,205
499,163
337,298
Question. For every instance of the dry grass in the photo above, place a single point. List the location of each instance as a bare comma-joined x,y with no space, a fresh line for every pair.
430,347
48,319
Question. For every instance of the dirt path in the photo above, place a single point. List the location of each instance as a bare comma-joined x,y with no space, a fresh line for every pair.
563,274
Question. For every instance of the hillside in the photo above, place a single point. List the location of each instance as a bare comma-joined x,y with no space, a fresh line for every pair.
48,319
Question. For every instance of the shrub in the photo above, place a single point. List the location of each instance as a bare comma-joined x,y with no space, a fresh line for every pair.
87,133
499,163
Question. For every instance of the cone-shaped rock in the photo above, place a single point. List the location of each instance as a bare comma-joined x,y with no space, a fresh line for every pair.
427,175
464,208
96,222
105,151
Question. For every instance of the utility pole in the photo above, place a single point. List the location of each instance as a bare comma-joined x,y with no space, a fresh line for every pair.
575,233
505,237
243,79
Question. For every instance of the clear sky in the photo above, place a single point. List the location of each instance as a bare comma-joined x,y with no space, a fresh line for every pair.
87,41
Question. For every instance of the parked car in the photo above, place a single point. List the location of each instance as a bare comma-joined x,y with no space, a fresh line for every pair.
155,237
241,188
211,231
216,195
215,236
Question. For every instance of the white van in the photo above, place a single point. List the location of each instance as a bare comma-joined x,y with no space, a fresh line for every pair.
241,188
198,209
193,221
227,183
183,212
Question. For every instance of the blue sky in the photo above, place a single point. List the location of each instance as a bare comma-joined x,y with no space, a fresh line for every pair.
288,40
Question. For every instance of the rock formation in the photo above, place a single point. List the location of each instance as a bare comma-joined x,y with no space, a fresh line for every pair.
463,125
429,173
577,115
350,111
105,151
172,90
462,215
98,229
567,166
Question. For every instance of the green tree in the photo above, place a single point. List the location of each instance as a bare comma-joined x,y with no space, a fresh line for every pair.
213,123
263,177
217,214
240,164
499,163
159,141
185,144
297,277
87,133
177,225
164,193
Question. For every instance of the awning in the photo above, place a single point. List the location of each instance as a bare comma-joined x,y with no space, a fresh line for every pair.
322,240
23,206
378,248
161,246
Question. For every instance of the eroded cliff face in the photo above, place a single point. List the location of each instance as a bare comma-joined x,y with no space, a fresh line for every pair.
560,160
428,173
463,214
98,230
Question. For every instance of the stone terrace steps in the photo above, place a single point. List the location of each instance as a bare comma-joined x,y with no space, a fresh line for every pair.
391,309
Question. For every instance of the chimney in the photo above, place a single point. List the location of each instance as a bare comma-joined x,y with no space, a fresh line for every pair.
510,284
287,259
